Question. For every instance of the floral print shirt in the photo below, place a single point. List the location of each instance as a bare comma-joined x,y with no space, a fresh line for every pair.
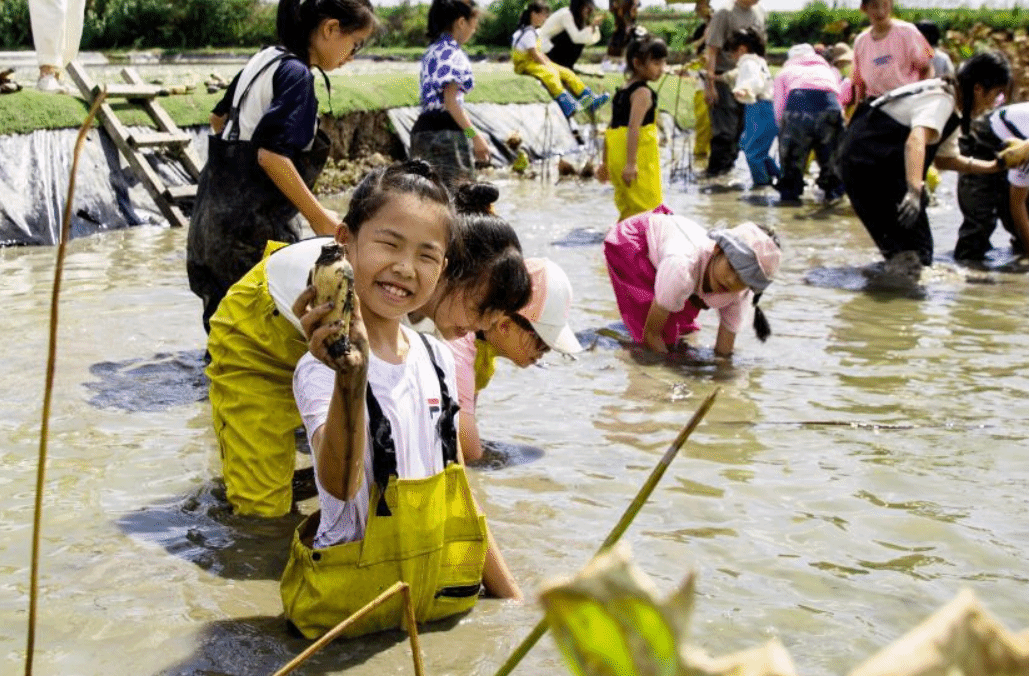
444,62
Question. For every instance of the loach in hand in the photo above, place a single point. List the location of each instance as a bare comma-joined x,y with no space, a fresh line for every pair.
333,279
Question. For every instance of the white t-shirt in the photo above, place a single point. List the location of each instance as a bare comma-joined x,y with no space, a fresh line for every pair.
1016,114
287,271
409,395
260,96
753,80
524,39
563,21
930,105
680,250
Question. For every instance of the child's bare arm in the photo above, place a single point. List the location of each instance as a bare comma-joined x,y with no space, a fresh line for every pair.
538,56
654,327
338,446
471,444
1017,196
725,341
284,175
453,106
496,576
640,103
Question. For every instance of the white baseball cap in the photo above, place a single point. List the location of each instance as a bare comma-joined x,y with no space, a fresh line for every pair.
548,307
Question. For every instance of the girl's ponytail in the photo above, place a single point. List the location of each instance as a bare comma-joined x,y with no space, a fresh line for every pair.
761,327
988,69
443,14
534,6
643,46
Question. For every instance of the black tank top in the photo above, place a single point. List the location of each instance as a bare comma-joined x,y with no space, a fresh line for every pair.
621,105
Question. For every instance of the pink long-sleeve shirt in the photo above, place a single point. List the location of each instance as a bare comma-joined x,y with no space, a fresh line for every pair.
803,72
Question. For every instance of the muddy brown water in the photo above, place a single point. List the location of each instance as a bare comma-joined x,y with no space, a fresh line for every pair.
857,470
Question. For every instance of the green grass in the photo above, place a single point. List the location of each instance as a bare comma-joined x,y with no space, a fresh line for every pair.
28,110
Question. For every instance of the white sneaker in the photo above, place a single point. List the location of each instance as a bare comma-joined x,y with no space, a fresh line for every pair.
49,84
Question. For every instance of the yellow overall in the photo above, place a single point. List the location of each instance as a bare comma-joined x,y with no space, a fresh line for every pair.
645,192
425,532
485,363
555,82
254,351
434,540
702,125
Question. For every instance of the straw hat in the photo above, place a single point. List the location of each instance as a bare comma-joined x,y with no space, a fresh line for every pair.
840,53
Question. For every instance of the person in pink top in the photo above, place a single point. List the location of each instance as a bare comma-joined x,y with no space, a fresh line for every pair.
889,53
665,269
806,100
522,337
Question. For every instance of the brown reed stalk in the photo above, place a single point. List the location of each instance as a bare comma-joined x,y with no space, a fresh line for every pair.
412,629
623,524
44,429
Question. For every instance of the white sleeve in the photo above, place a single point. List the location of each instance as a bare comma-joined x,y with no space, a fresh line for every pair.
525,39
587,35
748,81
933,111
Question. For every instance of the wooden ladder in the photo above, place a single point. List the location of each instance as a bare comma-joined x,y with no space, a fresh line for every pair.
135,145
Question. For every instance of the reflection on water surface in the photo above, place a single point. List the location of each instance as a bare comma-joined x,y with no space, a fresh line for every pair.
856,471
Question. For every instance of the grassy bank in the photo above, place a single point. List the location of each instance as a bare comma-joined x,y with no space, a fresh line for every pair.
29,110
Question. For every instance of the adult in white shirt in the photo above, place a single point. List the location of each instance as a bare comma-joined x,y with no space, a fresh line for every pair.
569,30
891,142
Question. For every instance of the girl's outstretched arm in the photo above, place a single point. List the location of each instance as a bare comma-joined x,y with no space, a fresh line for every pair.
496,576
471,443
725,341
453,106
640,103
654,327
1020,214
338,446
286,178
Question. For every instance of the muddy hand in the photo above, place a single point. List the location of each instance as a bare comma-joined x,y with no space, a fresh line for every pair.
321,334
909,208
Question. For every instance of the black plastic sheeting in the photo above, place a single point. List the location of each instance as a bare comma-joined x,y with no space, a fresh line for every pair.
543,129
34,177
34,169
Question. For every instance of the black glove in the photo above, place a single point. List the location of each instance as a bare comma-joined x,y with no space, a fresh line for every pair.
910,207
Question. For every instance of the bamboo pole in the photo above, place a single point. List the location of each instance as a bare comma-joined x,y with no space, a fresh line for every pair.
412,629
623,524
44,428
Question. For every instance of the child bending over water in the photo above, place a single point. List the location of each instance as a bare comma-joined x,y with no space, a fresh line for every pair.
665,269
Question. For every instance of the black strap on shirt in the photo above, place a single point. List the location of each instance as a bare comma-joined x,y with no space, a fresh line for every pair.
234,111
1003,114
384,450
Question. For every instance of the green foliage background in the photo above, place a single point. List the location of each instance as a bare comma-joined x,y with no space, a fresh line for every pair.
198,24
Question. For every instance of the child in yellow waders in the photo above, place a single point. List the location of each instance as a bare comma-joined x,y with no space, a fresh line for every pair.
632,159
256,342
522,337
528,59
395,503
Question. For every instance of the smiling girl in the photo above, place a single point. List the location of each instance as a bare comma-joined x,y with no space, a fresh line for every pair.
381,420
266,150
665,269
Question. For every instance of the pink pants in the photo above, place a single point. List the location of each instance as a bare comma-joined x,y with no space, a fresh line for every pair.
632,276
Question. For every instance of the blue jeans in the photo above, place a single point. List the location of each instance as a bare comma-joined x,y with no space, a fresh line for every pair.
759,132
812,120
